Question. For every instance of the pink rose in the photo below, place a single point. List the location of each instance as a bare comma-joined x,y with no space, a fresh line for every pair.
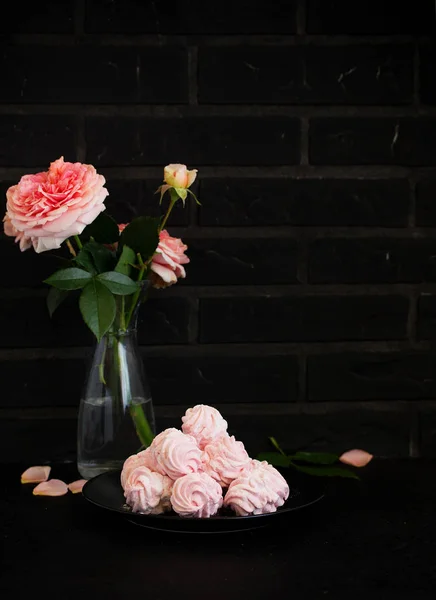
122,226
19,236
168,260
356,458
178,176
49,207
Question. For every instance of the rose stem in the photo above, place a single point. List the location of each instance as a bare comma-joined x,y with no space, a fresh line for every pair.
70,248
78,242
136,295
173,200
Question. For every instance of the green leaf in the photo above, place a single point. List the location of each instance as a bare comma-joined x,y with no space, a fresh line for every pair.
102,258
142,235
125,261
182,193
55,297
84,259
118,283
326,471
103,229
98,308
275,443
195,197
69,279
319,458
275,458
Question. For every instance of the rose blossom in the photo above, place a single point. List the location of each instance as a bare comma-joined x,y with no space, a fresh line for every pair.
178,176
168,260
20,238
51,206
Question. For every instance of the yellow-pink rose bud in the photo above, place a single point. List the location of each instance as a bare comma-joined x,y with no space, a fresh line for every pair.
178,176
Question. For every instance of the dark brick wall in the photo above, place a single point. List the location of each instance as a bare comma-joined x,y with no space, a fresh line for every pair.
309,311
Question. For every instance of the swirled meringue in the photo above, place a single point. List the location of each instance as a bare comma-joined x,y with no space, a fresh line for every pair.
175,454
147,492
141,459
259,489
224,459
196,495
205,423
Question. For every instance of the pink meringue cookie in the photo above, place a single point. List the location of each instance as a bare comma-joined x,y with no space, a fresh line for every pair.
147,492
175,454
259,489
205,423
224,459
142,459
196,495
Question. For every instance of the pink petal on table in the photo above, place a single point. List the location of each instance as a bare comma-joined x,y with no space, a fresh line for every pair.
53,487
35,474
356,458
76,486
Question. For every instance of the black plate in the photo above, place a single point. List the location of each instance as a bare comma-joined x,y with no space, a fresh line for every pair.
106,492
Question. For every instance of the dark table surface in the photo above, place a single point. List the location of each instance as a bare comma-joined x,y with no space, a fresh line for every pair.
370,539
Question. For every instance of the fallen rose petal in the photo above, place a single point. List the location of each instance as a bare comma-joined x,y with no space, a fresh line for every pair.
35,474
76,486
356,458
53,487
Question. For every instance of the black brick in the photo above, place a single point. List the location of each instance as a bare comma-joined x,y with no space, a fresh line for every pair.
132,198
425,203
376,74
37,382
427,85
26,269
215,379
217,140
46,16
309,318
372,16
372,261
347,141
173,380
383,433
25,323
341,202
427,317
371,376
190,16
36,140
107,74
242,261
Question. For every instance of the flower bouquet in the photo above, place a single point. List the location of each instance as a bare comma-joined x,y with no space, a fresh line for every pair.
110,267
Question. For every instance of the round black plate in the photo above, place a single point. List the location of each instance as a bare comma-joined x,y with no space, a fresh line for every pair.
106,492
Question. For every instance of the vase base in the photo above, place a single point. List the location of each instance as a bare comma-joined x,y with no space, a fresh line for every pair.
89,470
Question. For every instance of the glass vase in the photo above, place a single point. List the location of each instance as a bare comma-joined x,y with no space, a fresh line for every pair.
116,416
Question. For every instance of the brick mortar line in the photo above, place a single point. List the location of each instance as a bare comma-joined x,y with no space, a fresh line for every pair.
251,409
261,290
302,235
193,76
321,172
292,350
175,111
79,19
84,39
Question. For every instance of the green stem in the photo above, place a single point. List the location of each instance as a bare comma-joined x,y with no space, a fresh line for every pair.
78,242
142,426
137,293
122,314
173,200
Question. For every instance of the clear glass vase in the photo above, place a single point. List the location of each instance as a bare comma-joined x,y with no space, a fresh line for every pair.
116,416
